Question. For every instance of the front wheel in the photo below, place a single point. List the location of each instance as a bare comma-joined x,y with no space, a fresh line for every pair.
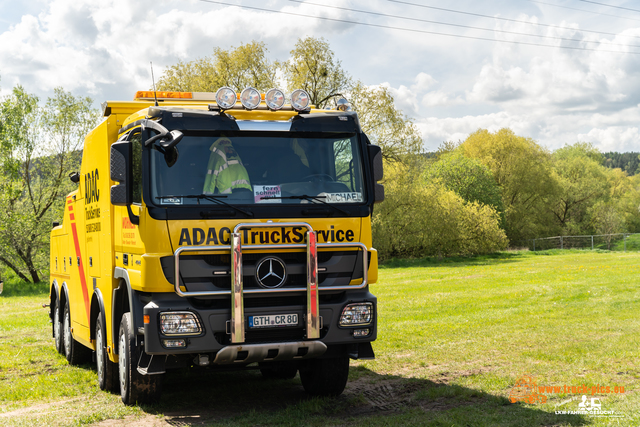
325,377
134,387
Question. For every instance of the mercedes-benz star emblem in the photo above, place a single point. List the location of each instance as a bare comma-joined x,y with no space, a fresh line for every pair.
271,272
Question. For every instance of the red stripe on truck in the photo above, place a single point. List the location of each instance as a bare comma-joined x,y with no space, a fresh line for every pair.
83,280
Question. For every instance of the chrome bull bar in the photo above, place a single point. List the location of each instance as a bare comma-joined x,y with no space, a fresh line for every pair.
235,248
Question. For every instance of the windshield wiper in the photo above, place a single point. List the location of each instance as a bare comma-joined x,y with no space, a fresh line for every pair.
309,198
212,198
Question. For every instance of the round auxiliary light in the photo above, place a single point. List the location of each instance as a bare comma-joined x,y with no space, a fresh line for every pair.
299,100
250,98
343,105
274,99
226,98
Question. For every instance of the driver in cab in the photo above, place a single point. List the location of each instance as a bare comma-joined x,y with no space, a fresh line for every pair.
225,171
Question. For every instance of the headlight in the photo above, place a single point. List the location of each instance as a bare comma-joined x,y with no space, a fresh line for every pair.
358,314
250,98
226,98
179,323
300,100
274,99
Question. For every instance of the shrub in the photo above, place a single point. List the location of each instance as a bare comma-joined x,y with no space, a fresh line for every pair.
418,220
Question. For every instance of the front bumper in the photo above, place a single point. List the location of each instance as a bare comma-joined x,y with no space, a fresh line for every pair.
215,336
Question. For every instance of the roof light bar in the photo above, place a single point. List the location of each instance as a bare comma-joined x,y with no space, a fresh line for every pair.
274,99
250,98
226,98
300,100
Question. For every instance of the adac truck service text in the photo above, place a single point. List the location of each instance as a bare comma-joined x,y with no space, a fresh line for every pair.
220,230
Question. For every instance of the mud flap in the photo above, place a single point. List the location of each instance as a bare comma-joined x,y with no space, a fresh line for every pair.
361,351
151,365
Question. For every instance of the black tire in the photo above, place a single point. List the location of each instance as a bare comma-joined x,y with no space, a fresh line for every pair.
75,352
279,370
325,377
106,369
134,387
57,328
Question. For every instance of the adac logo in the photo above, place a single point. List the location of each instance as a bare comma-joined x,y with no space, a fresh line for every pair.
92,193
526,390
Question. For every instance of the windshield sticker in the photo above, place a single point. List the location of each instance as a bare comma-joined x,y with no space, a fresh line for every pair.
171,201
262,191
341,197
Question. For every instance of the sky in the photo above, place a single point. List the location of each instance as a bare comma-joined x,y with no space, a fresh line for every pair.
557,71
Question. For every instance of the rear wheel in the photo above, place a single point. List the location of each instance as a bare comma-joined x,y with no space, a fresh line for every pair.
134,387
57,328
75,352
279,370
107,370
325,377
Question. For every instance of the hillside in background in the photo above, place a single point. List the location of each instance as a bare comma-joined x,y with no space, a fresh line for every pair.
628,162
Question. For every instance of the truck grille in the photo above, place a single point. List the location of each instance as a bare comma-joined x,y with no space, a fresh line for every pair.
212,271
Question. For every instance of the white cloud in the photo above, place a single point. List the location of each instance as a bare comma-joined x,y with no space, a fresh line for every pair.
450,86
554,96
104,48
615,138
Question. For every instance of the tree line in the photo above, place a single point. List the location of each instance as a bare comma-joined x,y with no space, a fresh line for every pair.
470,197
500,189
628,162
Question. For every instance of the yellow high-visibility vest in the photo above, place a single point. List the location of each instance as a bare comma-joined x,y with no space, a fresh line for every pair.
225,170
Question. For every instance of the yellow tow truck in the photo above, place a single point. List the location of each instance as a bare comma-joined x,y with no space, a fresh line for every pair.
218,229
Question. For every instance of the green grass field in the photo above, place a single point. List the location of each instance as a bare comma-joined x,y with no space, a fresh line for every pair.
454,337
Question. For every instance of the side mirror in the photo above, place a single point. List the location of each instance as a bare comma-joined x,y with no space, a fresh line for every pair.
166,139
121,194
375,158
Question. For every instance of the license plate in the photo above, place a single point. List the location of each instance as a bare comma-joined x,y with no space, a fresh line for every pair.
273,320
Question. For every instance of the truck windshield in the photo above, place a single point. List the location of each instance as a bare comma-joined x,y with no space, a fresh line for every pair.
250,168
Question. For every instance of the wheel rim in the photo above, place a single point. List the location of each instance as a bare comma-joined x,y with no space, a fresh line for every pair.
122,363
67,332
99,355
56,327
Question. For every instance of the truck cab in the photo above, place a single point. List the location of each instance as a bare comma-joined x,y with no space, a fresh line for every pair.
219,230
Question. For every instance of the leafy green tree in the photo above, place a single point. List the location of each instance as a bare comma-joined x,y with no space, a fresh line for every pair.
417,220
314,68
607,219
627,192
523,171
384,123
39,148
237,68
582,182
467,177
